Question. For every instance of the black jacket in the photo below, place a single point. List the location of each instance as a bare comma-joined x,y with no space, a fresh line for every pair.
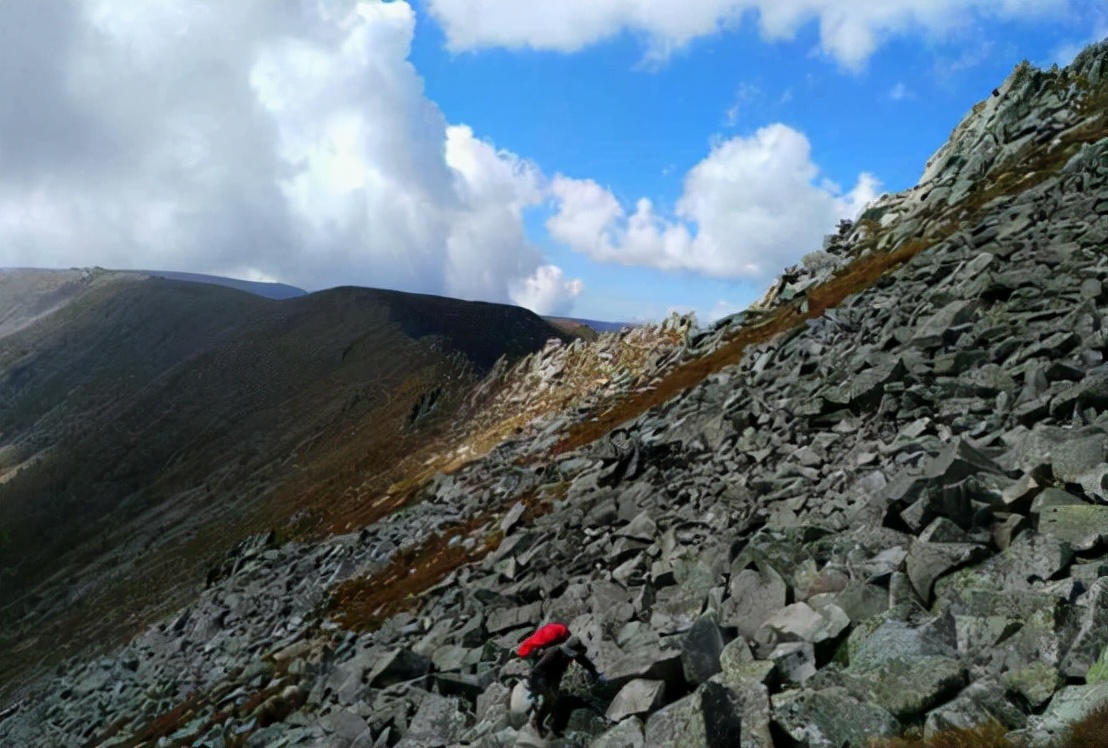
551,667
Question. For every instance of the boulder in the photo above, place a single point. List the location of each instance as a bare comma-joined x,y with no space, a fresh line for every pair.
639,696
754,597
710,717
398,666
830,718
701,647
627,734
1082,526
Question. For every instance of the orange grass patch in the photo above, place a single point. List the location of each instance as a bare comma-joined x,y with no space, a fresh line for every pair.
364,603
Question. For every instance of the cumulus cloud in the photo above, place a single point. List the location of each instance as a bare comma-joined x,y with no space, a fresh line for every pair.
547,288
849,31
260,139
752,206
899,92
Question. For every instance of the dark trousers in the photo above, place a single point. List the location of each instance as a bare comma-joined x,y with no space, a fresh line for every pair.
552,703
546,696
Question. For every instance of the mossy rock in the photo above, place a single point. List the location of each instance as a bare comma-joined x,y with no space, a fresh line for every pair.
1034,684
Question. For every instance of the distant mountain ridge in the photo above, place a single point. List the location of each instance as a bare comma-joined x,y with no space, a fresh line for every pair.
129,403
268,289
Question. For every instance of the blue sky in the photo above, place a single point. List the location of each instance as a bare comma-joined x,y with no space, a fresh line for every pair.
611,159
638,129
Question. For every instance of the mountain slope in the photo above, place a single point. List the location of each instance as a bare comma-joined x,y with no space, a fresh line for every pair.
876,503
148,425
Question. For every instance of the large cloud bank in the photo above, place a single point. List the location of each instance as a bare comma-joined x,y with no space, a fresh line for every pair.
253,138
751,207
850,30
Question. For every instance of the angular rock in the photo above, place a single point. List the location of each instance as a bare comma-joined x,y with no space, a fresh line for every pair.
926,562
830,718
398,666
1092,637
910,687
627,734
978,704
754,597
710,717
800,623
795,662
1033,685
506,619
895,640
649,663
1082,526
638,697
700,650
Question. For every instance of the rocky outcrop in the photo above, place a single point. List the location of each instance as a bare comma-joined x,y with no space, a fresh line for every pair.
891,516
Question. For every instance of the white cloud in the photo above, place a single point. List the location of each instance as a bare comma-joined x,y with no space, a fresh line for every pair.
744,94
253,138
899,92
751,207
547,289
849,31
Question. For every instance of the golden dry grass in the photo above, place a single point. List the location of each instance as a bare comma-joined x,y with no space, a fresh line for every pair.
1090,732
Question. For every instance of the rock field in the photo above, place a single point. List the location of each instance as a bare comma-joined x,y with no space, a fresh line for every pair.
893,516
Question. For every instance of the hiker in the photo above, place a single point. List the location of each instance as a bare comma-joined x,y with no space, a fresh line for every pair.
546,636
546,679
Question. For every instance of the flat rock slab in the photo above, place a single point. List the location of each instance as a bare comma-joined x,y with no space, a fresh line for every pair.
894,640
396,667
830,718
1083,526
639,696
800,623
908,688
506,619
651,663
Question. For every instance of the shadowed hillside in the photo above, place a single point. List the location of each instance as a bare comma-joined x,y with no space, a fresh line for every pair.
146,422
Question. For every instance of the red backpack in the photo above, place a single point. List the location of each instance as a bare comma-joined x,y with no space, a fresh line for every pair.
550,634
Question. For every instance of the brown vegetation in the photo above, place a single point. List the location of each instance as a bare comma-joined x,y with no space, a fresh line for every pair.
1089,732
365,602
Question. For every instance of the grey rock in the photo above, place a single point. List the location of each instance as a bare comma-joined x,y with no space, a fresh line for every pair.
795,662
650,663
1082,526
344,724
1033,685
701,648
926,562
800,623
893,640
398,666
637,697
438,719
830,718
506,619
909,687
754,597
710,717
627,734
978,704
1092,636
